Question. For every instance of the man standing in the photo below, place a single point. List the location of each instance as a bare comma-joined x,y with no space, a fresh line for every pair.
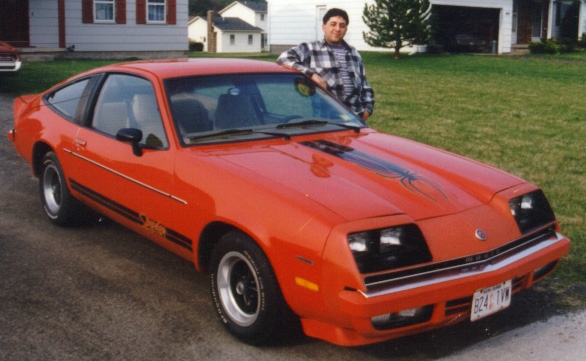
334,65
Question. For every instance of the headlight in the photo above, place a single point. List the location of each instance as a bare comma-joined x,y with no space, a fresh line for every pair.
531,211
388,248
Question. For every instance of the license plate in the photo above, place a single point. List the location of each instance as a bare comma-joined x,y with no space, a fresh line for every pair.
490,300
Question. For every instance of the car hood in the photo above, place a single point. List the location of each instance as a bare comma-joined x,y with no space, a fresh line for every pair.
372,174
6,48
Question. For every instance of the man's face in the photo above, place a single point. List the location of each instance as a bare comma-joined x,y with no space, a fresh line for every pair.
334,30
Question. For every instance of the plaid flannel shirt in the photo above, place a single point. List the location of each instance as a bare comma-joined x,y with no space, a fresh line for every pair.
316,57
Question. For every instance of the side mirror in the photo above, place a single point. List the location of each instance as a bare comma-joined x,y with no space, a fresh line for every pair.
132,136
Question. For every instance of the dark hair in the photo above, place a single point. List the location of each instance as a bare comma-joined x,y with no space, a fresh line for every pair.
336,12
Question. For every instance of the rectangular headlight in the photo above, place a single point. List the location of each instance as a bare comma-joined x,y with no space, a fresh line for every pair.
531,211
388,248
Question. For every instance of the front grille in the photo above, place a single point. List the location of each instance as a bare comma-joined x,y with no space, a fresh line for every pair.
8,57
456,266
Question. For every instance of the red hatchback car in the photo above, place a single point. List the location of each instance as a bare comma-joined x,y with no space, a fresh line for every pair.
299,212
9,59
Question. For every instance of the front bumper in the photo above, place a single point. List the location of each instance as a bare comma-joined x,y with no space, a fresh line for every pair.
443,297
10,66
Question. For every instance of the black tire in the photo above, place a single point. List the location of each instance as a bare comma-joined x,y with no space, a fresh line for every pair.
58,203
246,294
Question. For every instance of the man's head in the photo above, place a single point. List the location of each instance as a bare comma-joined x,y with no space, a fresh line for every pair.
335,25
336,12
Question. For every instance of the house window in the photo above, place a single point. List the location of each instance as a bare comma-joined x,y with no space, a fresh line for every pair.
249,39
156,11
563,12
232,39
262,17
104,10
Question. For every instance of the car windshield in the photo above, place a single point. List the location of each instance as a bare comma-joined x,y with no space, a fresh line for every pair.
237,107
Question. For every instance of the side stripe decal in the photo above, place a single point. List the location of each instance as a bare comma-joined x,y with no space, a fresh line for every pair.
133,216
408,179
123,175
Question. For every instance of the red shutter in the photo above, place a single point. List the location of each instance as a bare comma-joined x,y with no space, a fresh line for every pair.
61,22
87,11
172,12
141,11
120,11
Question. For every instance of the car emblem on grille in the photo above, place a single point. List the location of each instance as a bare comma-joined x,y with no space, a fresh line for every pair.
480,235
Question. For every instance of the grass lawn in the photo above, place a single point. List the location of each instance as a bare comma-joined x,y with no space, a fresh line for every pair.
526,115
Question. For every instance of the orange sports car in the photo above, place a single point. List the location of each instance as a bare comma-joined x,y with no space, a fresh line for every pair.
300,213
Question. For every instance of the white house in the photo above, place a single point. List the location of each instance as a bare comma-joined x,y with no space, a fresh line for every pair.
239,27
98,28
254,13
510,23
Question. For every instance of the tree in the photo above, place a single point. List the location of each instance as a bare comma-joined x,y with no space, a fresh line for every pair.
201,7
397,23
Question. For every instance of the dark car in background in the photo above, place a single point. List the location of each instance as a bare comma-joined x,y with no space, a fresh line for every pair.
468,43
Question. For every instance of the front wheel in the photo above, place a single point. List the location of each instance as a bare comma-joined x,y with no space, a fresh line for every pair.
246,293
58,203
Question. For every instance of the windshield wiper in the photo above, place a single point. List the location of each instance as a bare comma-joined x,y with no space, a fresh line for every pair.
274,134
304,123
316,122
220,133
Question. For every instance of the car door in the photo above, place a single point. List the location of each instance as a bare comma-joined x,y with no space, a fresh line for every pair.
133,187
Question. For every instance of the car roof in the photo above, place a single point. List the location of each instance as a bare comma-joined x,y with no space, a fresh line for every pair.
171,68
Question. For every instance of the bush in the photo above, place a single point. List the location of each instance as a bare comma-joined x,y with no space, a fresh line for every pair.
557,46
195,46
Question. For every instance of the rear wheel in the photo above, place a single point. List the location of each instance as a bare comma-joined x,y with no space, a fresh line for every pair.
58,203
246,293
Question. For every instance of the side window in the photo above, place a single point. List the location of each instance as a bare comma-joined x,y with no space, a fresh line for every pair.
67,99
127,101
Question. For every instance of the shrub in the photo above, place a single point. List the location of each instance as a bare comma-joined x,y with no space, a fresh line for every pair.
557,46
195,46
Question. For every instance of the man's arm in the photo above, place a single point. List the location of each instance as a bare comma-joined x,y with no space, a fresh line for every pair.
367,94
298,57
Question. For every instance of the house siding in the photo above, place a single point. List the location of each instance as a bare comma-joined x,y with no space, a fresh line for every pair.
110,37
295,21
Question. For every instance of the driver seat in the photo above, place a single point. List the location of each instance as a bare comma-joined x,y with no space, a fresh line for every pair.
235,111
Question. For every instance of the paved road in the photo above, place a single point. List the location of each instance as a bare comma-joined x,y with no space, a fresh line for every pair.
103,293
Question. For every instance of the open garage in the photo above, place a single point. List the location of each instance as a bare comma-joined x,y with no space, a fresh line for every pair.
465,29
